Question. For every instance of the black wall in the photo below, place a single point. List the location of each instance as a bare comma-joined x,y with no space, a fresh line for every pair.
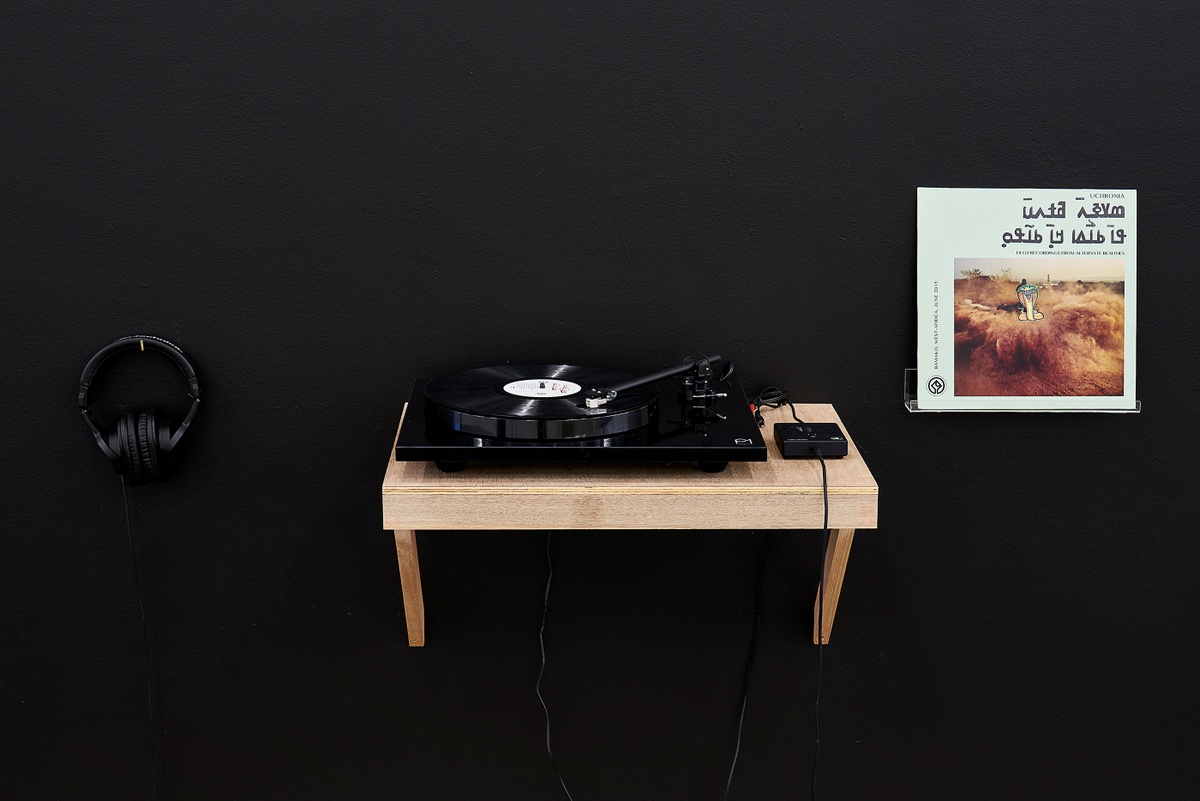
321,202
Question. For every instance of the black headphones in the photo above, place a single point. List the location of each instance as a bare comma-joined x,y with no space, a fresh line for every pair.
140,448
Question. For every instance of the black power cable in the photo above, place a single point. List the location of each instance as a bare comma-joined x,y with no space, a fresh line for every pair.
820,623
542,641
771,397
758,401
758,584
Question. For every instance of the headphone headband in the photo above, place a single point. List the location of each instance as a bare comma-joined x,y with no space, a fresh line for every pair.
139,341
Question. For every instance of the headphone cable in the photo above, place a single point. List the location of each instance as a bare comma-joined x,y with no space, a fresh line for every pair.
155,751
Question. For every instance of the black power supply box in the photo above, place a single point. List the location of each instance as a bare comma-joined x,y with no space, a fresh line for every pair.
803,439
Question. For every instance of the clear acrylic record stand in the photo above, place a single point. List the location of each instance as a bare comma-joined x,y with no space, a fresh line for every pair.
910,401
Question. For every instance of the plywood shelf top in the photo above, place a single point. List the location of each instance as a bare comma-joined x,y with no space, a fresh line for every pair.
848,475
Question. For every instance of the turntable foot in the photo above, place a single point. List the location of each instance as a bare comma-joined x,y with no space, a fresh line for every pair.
450,467
713,467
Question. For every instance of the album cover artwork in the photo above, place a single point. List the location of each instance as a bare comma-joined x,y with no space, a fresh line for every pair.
1026,299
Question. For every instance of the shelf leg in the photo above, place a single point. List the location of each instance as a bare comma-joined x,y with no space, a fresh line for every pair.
837,555
410,585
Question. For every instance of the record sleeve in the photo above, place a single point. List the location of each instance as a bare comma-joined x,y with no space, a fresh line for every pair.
1026,299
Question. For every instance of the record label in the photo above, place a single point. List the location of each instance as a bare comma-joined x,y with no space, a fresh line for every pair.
542,388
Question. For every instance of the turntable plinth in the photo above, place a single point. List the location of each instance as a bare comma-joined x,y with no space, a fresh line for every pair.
776,494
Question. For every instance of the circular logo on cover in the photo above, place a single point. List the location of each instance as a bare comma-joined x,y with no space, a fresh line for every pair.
936,385
542,388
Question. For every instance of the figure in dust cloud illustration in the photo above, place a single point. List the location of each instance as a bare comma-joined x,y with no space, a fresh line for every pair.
1027,296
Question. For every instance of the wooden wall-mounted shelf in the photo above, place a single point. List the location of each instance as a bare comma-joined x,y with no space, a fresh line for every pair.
776,494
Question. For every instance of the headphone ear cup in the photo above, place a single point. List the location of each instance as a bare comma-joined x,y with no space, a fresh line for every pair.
131,464
113,438
148,453
162,438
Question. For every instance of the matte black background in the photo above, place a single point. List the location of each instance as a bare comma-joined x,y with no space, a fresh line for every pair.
321,202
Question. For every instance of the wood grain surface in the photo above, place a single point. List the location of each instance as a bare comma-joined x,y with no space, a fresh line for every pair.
778,493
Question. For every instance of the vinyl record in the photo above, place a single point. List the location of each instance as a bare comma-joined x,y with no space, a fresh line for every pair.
536,402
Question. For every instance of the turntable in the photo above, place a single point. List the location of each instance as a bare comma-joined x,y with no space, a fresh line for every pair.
563,413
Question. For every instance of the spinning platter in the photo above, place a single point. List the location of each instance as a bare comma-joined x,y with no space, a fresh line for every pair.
537,402
559,412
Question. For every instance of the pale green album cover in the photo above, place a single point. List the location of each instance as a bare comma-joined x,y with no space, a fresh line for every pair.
1026,299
